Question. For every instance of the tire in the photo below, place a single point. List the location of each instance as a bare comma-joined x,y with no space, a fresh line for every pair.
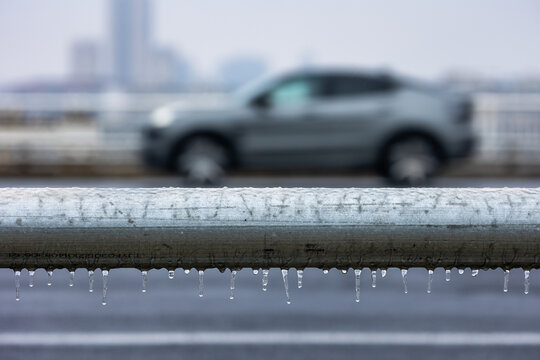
410,161
202,161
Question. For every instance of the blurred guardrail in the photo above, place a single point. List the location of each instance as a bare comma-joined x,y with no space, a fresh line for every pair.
509,128
263,228
101,131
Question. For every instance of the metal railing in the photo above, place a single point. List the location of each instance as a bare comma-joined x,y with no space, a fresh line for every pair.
264,228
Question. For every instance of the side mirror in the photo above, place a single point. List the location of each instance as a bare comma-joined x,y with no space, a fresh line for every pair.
261,102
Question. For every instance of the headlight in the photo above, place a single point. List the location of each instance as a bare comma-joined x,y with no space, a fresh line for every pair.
162,117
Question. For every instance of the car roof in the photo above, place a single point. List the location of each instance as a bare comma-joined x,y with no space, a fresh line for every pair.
336,71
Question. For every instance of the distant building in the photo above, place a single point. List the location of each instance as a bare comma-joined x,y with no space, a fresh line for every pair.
167,71
129,42
240,70
86,63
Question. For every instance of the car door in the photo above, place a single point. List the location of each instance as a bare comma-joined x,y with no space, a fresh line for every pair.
349,116
279,134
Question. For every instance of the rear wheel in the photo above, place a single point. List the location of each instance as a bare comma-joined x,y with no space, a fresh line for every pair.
411,161
202,161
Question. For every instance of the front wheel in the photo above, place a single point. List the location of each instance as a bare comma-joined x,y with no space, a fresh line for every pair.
410,161
202,161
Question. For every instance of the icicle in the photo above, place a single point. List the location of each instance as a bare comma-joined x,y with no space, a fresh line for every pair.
300,275
357,274
201,282
373,278
506,278
474,272
448,272
90,281
17,285
404,276
49,277
461,271
325,271
255,271
233,277
187,271
31,278
105,274
526,274
171,274
430,279
144,275
344,271
71,278
284,274
264,279
383,273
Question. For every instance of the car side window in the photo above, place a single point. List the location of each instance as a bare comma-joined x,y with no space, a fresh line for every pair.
292,92
342,85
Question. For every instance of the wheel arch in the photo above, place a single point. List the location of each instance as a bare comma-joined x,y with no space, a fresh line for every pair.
404,133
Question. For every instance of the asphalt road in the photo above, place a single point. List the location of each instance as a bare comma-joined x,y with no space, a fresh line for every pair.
462,319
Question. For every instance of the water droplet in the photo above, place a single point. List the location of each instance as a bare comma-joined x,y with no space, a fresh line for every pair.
90,281
506,278
373,278
357,274
429,281
233,277
31,278
71,278
187,271
255,271
448,272
404,276
49,277
284,274
264,279
383,273
171,274
526,274
344,271
300,275
201,282
325,271
144,275
17,285
474,272
461,271
105,274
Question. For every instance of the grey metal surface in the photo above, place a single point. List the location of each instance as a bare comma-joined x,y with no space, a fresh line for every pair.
272,227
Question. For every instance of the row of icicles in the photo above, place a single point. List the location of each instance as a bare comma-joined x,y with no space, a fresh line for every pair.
265,272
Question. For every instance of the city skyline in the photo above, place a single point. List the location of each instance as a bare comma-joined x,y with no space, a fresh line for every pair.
491,38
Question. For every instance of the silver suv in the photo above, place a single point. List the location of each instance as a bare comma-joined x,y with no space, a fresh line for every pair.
322,119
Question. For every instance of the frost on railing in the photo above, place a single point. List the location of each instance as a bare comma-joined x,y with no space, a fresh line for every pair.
261,229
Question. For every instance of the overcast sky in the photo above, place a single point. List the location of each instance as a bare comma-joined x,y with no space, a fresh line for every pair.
424,38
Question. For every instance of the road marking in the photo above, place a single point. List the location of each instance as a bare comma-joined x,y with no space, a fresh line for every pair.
270,338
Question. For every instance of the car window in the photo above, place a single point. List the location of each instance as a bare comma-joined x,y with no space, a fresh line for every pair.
293,92
342,85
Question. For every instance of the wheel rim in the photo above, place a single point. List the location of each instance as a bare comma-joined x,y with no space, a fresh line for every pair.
202,161
412,161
